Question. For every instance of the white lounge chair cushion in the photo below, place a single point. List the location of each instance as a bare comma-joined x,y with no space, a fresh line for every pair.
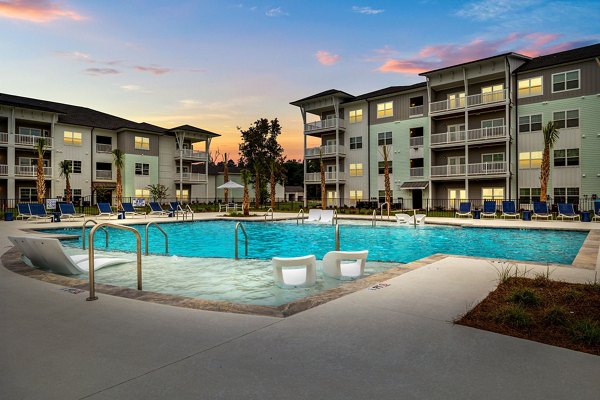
335,268
326,216
402,218
295,271
314,214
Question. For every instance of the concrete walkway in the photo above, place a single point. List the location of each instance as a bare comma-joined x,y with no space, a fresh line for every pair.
397,342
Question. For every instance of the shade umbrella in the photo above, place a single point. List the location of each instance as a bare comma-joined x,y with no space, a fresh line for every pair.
230,185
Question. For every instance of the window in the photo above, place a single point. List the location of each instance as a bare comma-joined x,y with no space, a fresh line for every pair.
145,193
185,193
416,101
382,196
492,193
75,166
75,195
28,195
566,157
102,166
72,138
531,159
384,138
356,143
23,130
356,195
566,119
530,87
529,195
530,123
457,194
566,195
492,93
492,157
565,81
456,100
491,123
356,169
355,116
385,109
32,162
381,166
142,143
142,169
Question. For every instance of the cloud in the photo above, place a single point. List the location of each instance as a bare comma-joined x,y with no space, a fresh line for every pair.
36,11
152,69
135,88
102,71
189,103
326,58
275,12
366,10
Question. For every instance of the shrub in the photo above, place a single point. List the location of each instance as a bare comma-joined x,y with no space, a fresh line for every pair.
514,315
587,331
556,315
571,294
524,296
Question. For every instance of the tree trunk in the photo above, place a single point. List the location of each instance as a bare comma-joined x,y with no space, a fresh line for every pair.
68,189
545,174
119,194
246,201
257,189
41,180
273,184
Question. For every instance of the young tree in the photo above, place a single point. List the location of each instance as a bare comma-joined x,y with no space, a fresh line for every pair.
386,177
246,198
225,177
294,172
40,148
65,171
550,137
158,191
119,161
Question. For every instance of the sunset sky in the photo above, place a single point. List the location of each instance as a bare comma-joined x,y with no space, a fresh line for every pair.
223,64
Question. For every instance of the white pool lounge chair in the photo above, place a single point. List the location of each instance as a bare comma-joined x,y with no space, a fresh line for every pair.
326,216
295,272
335,268
402,219
48,253
420,219
314,215
489,209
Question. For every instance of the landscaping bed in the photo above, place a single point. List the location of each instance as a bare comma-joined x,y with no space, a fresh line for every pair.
556,313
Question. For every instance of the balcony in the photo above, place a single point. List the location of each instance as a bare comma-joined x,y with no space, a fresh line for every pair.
416,141
3,170
415,111
103,148
486,98
439,139
32,171
325,151
493,133
330,177
103,174
191,154
190,177
324,125
472,101
448,170
30,141
418,172
472,135
3,137
478,169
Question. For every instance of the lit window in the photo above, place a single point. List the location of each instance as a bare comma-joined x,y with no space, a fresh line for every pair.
490,94
145,193
185,194
384,138
531,159
142,143
356,169
456,100
356,195
565,81
356,143
530,87
72,138
385,109
566,119
530,123
566,157
142,169
355,116
492,193
381,167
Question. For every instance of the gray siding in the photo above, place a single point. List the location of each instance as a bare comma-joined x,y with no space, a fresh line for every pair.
126,142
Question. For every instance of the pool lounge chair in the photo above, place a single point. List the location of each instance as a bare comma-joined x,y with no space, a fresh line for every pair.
24,212
67,211
157,210
334,267
48,253
295,272
402,219
178,209
489,209
104,209
314,215
464,210
326,216
596,210
417,219
509,209
128,209
565,210
540,210
229,207
38,212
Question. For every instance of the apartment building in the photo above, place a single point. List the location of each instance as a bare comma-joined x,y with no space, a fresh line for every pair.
86,138
470,131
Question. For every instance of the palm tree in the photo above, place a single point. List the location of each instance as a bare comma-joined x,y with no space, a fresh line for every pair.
65,170
40,147
119,160
322,171
386,178
550,137
246,199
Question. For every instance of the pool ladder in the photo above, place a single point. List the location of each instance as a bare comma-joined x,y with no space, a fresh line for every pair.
83,232
298,217
163,232
240,225
270,210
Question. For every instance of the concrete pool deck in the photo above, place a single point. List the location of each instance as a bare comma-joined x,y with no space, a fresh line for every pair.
394,342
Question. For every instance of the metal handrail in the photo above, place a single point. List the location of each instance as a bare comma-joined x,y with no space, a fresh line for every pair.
163,232
297,215
337,237
267,213
91,255
239,224
83,233
381,210
334,220
190,210
374,219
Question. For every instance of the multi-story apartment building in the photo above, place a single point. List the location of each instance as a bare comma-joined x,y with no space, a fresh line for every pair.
470,131
86,138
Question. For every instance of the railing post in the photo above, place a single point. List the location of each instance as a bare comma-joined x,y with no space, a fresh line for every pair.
337,237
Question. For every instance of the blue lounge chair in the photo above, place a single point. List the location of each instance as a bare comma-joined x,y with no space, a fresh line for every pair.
509,209
105,209
38,212
489,209
565,210
129,210
24,212
464,210
540,210
596,210
157,210
177,208
67,211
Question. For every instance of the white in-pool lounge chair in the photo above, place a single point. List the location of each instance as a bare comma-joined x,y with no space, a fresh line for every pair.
314,215
48,253
402,219
335,268
420,219
67,211
327,216
295,271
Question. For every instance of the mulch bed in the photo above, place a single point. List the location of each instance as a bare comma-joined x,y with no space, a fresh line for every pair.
556,313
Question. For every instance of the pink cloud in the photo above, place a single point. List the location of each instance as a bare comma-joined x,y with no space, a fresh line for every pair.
36,11
152,70
326,58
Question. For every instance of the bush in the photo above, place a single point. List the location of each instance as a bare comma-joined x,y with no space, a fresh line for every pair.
524,296
587,331
556,315
514,315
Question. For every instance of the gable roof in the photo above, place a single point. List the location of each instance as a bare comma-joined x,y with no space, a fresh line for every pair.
390,90
329,92
190,128
563,57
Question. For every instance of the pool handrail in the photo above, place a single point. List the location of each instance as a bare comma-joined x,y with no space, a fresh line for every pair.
239,224
83,232
381,210
337,237
138,239
334,220
163,232
298,215
374,218
270,210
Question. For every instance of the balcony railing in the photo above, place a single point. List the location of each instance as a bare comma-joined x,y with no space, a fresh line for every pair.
469,101
103,148
3,169
29,140
416,141
329,176
417,172
103,174
191,153
324,124
415,111
446,105
448,170
488,168
31,171
3,137
330,150
190,177
496,132
448,137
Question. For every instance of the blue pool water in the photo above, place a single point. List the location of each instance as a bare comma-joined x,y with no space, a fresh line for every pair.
390,243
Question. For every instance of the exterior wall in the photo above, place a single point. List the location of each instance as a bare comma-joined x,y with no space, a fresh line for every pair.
126,142
131,181
66,151
402,155
378,180
167,164
356,156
